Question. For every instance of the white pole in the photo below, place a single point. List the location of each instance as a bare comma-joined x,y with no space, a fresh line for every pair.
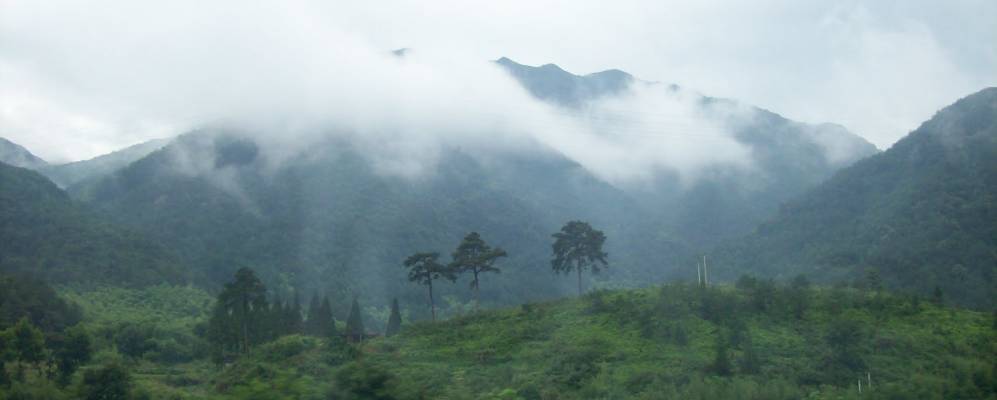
706,274
868,376
699,274
860,386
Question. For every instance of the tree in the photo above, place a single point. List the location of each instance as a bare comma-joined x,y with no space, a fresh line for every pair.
74,350
292,317
313,311
394,320
28,344
239,313
327,323
477,257
354,323
424,269
721,364
110,382
578,246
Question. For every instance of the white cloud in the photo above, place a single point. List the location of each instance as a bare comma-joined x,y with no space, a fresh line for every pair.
78,79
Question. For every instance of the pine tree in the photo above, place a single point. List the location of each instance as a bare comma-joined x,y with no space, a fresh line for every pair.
311,324
327,323
576,247
239,313
721,359
424,269
354,323
477,257
394,320
292,317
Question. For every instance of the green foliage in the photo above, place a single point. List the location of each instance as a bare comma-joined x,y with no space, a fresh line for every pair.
475,256
22,296
108,382
424,269
48,235
363,381
577,247
918,216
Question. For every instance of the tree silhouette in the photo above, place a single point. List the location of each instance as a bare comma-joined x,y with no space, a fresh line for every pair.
240,312
394,320
477,257
354,323
424,269
576,247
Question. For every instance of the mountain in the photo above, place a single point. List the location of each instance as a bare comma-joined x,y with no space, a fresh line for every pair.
920,214
69,174
47,235
326,218
13,154
724,202
551,83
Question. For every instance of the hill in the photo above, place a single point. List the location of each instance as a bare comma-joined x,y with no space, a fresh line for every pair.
47,235
14,154
755,341
69,174
921,214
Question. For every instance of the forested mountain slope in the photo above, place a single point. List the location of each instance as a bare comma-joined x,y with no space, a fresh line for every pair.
73,173
724,201
921,214
47,235
14,154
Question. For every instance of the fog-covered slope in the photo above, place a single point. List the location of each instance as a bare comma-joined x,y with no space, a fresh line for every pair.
921,214
69,174
14,154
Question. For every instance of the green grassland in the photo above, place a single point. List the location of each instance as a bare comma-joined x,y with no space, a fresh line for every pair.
655,343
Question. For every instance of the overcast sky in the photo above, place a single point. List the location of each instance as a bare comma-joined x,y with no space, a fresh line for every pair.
78,79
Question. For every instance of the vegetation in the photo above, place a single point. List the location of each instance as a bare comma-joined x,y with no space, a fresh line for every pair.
918,216
577,247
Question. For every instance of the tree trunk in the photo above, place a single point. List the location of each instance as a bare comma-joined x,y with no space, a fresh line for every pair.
579,281
432,304
477,295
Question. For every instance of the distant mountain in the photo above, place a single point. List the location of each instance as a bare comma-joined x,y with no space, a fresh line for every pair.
13,154
551,83
921,214
725,201
328,221
69,174
45,234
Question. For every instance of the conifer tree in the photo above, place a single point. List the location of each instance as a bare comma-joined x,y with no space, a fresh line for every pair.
477,257
292,317
576,247
311,324
424,269
394,320
327,323
354,323
239,312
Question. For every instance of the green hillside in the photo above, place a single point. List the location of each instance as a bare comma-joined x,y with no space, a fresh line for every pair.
47,235
754,341
921,214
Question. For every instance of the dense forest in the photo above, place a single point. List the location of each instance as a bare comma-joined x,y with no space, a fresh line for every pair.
921,215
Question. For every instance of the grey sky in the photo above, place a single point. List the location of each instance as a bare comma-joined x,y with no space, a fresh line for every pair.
81,78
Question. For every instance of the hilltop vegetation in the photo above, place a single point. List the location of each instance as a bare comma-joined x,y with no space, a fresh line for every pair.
47,235
921,215
755,340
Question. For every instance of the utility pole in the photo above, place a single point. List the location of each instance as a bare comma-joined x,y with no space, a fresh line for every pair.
699,274
860,385
868,376
706,275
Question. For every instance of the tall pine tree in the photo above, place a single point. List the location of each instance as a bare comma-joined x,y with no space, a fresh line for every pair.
394,320
354,323
475,256
424,269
